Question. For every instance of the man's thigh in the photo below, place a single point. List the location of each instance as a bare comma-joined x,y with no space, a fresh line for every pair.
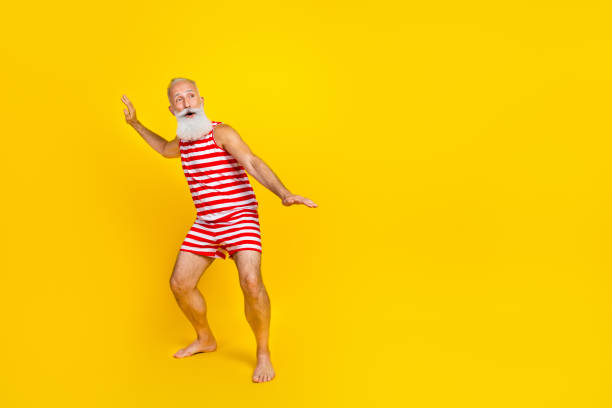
189,267
248,263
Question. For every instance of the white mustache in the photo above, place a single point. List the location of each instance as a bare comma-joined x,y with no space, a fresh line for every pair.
186,111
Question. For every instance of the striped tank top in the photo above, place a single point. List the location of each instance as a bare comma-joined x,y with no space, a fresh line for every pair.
219,185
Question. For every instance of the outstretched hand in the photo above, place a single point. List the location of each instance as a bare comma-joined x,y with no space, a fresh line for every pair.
298,199
130,112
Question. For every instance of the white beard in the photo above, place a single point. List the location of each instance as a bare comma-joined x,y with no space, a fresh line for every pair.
194,127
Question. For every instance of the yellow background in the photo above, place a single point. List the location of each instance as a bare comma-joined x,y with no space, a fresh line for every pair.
459,153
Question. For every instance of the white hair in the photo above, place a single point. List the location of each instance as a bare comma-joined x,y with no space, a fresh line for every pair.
175,80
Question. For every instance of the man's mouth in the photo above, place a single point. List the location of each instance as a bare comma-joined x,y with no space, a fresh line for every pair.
189,114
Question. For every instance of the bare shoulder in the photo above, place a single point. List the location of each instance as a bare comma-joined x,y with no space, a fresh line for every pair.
224,128
222,133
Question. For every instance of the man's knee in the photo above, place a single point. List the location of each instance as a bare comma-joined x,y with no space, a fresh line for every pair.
180,285
187,271
252,284
176,286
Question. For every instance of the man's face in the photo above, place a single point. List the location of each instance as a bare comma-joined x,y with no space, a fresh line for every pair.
188,108
184,95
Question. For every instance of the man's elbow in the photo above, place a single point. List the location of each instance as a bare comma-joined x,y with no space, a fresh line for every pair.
169,152
169,155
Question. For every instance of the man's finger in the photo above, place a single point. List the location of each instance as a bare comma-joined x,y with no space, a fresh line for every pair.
129,105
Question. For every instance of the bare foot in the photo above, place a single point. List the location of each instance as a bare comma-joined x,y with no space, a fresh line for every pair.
263,371
198,346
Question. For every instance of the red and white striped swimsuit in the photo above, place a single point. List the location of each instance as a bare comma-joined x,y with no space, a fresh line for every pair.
227,209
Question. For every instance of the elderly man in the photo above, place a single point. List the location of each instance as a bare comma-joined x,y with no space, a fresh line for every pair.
216,161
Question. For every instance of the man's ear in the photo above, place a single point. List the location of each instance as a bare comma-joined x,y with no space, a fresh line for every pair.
170,109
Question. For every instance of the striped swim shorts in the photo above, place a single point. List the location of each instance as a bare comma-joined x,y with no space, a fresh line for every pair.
237,232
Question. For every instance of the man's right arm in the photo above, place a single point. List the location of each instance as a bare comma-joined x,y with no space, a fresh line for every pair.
161,145
158,143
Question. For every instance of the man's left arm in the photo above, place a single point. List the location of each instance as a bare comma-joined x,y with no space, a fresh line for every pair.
228,139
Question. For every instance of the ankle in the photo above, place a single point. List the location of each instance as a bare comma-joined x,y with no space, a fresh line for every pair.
206,338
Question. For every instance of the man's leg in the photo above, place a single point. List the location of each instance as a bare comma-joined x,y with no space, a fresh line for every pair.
257,309
188,269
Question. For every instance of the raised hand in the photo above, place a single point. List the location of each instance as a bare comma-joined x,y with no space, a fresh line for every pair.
298,199
130,112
